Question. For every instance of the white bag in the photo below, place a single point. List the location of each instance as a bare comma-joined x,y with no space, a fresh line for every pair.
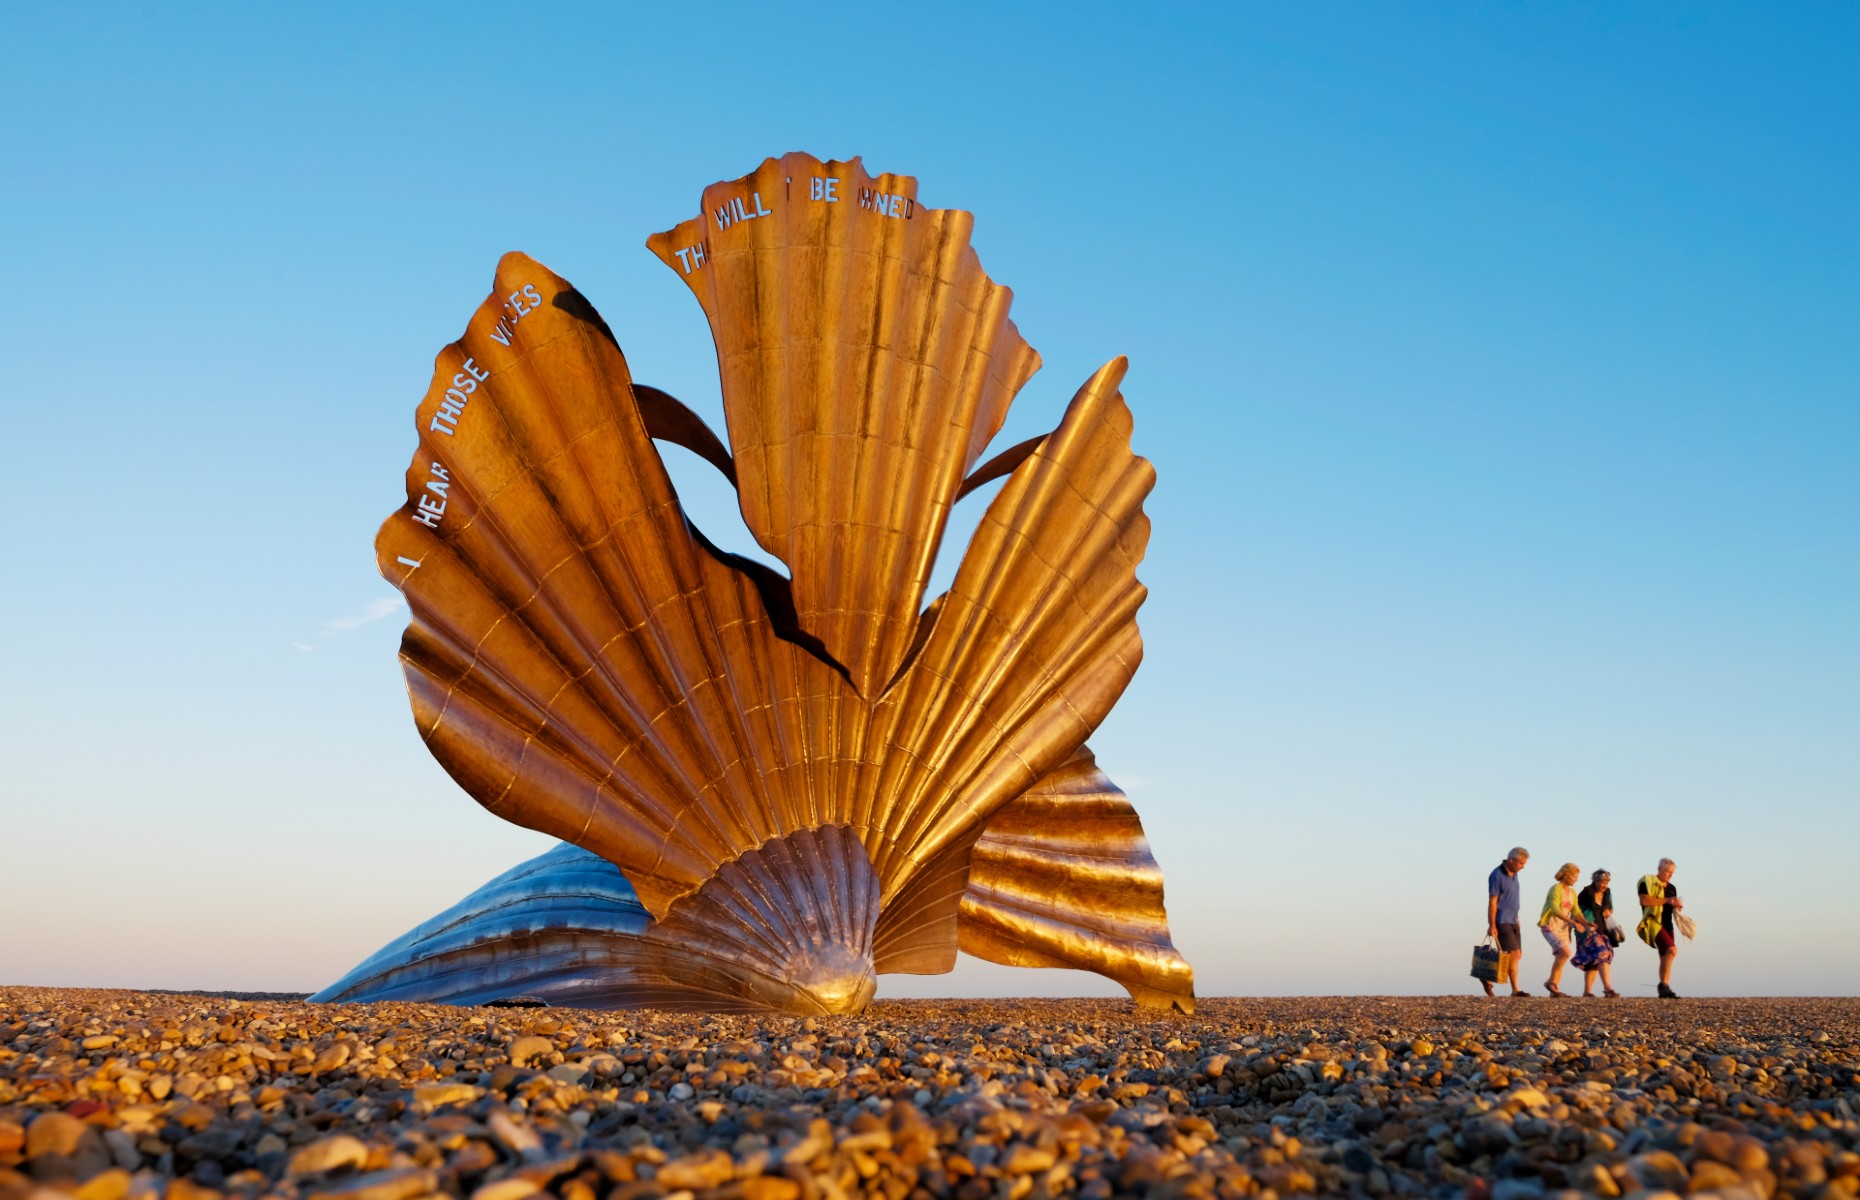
1686,925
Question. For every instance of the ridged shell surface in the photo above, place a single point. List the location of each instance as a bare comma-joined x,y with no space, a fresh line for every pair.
583,662
1063,877
518,932
867,359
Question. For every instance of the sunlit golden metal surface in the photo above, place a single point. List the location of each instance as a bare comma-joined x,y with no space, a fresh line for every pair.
805,782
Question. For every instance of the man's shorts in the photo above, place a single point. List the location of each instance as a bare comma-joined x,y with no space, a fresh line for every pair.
1664,942
1508,940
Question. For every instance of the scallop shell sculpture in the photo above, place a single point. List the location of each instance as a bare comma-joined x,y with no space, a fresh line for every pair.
773,789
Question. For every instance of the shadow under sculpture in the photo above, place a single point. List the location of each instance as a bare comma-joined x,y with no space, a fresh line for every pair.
775,789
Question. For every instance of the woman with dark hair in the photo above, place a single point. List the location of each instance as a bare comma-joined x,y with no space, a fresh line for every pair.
1595,950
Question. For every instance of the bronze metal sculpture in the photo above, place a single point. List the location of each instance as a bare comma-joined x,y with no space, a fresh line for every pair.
780,788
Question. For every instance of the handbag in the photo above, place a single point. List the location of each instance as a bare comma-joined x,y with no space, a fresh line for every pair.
1615,933
1485,962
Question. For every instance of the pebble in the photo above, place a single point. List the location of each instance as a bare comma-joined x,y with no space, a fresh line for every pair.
395,1184
328,1154
204,1097
525,1049
53,1133
513,1188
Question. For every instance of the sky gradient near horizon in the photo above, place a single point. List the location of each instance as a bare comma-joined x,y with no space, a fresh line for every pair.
1500,365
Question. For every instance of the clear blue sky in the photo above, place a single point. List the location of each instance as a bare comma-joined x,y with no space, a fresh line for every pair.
1499,363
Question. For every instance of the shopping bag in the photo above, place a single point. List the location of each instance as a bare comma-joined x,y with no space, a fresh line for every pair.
1687,925
1485,962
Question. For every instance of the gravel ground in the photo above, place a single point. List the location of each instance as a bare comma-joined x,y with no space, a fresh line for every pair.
116,1095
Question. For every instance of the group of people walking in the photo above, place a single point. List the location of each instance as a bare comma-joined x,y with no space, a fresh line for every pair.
1580,925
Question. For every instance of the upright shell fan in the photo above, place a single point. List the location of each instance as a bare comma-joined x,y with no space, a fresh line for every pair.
779,787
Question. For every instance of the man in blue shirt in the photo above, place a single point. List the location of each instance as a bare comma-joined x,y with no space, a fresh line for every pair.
1501,917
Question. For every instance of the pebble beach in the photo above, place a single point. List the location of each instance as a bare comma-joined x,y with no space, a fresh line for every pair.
120,1095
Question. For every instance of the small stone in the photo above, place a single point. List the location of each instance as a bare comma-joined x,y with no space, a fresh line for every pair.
328,1154
159,1085
1658,1169
122,1149
1598,1179
1518,1189
818,1141
102,1041
211,1144
681,1091
182,1188
1023,1159
53,1133
394,1184
514,1188
770,1187
110,1185
524,1049
1420,1047
1749,1156
437,1094
1713,1176
1527,1097
1215,1065
332,1058
704,1169
568,1072
514,1136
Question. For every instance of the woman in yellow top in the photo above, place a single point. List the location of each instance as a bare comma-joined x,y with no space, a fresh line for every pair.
1560,915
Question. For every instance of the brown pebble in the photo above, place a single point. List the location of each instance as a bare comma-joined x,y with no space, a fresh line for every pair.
1027,1160
1710,1175
437,1094
328,1154
330,1059
108,1185
1748,1155
704,1169
182,1188
523,1050
394,1184
1659,1170
53,1133
515,1188
770,1187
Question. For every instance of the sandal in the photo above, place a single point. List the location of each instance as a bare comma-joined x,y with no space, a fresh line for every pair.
1612,994
1550,990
